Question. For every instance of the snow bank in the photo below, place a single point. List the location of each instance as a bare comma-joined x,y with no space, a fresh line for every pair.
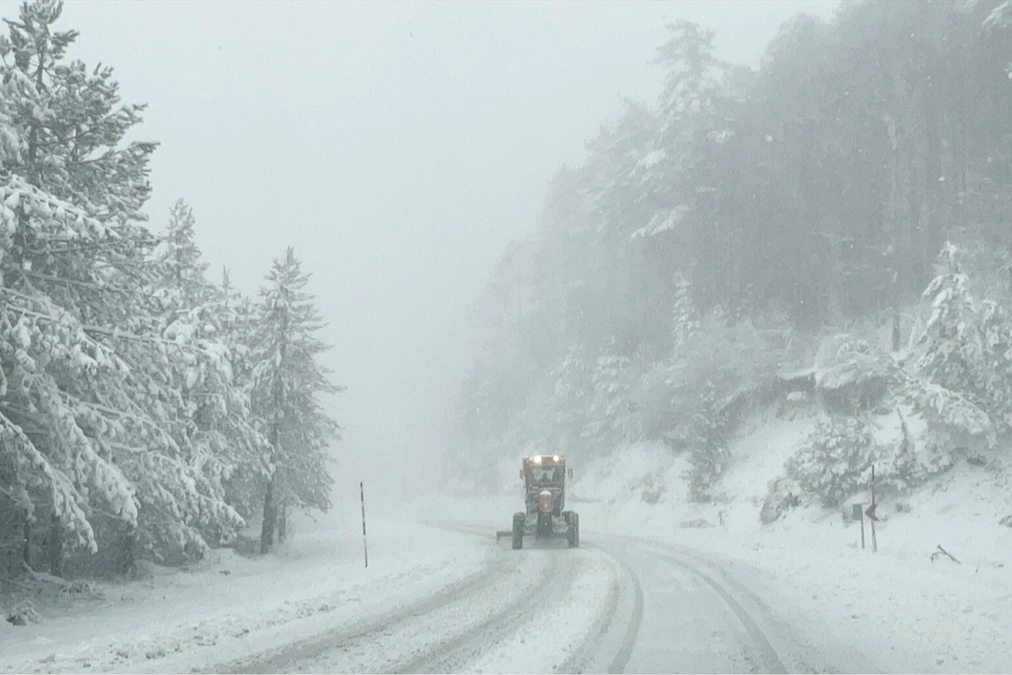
230,606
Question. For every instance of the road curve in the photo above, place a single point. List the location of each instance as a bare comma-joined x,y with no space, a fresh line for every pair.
617,604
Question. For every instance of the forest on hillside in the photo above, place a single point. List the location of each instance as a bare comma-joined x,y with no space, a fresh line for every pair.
146,412
833,225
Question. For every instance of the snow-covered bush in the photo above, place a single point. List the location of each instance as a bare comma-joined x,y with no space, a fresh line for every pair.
22,614
851,374
835,461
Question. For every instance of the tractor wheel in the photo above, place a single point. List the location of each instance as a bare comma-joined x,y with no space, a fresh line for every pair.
574,530
519,521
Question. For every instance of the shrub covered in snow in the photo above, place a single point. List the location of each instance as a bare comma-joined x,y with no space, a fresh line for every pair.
834,461
851,374
22,614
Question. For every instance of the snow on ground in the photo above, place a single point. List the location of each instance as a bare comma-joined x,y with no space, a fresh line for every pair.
905,607
902,609
231,606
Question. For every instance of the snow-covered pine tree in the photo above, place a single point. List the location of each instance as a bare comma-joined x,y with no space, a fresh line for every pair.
213,425
288,382
70,124
835,461
52,374
70,196
951,353
685,319
247,479
573,393
709,454
103,407
611,419
688,108
996,384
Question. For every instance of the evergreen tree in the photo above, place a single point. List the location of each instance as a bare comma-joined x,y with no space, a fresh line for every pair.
611,418
108,416
686,319
995,387
250,451
287,384
212,423
951,350
709,454
71,254
572,396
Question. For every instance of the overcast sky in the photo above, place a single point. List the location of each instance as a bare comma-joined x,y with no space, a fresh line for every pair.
397,146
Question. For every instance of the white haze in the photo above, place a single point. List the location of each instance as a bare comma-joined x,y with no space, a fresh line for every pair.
398,147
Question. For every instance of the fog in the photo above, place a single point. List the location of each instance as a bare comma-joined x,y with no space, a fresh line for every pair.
398,147
750,331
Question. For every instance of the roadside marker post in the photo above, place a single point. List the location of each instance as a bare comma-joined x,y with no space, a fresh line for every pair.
365,546
871,512
859,515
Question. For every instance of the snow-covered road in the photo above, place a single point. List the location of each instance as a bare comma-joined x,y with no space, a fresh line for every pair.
700,617
641,595
549,609
542,609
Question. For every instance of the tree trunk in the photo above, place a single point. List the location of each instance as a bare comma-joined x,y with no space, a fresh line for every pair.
896,331
128,544
8,515
270,514
26,541
54,546
282,523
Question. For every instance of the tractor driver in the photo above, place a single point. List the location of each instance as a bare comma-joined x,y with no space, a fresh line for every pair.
549,476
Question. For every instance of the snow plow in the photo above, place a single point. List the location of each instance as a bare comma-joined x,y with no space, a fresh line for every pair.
544,515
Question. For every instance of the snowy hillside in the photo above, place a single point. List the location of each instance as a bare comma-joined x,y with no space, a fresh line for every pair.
962,509
912,607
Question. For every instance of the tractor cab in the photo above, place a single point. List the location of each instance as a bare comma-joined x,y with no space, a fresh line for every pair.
544,471
544,516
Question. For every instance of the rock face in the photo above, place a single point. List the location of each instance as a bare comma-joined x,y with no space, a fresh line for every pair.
783,495
1006,521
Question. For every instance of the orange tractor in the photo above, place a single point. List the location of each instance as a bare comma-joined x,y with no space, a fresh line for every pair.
544,516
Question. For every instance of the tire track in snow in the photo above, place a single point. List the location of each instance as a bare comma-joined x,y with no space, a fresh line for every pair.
451,654
793,650
281,659
771,662
604,641
607,643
